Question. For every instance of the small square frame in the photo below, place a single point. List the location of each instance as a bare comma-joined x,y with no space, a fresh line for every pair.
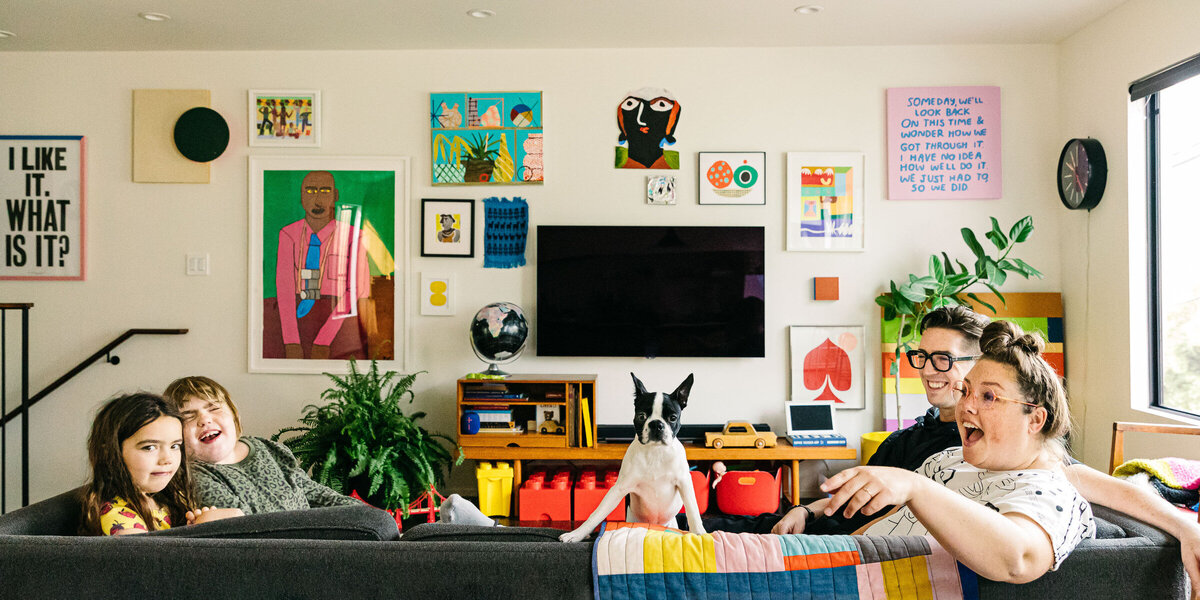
433,232
428,307
313,140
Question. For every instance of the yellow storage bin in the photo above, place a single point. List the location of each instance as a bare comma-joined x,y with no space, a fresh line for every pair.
871,442
495,488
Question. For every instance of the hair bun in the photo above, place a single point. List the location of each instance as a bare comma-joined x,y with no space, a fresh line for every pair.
999,336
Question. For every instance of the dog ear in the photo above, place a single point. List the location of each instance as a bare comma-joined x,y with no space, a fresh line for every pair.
681,393
638,388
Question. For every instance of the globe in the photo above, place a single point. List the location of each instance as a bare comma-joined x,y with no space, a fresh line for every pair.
498,334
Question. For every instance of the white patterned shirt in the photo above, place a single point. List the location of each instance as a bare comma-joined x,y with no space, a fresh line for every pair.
1044,496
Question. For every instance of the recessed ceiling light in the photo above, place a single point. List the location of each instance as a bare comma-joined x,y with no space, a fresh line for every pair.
154,16
6,34
809,9
481,13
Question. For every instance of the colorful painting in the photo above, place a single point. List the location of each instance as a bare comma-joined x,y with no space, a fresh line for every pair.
660,190
733,178
827,365
325,283
486,138
448,228
437,295
42,180
288,118
647,118
825,201
1040,312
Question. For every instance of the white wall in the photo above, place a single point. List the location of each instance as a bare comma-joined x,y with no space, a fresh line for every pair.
1103,252
375,103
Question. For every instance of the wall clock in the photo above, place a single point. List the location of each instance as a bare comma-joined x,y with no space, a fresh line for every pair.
1082,171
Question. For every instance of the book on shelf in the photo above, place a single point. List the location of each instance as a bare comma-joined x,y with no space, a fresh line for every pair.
828,439
473,395
513,429
585,413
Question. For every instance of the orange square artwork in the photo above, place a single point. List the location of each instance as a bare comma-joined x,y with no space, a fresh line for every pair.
825,288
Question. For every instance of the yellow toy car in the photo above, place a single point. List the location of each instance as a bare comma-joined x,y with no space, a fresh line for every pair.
551,427
738,434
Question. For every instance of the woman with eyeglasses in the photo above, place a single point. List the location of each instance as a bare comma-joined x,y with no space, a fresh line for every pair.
1000,503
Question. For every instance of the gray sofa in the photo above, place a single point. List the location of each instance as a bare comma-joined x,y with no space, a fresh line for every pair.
353,552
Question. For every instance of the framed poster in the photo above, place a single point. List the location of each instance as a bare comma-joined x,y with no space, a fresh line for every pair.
285,118
827,365
448,228
825,202
437,295
486,138
328,262
42,182
733,178
944,143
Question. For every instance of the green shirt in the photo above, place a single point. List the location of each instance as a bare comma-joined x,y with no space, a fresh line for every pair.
268,480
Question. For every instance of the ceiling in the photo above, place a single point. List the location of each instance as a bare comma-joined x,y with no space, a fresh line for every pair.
89,25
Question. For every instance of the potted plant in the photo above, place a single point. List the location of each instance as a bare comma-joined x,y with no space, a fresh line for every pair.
361,441
482,161
945,285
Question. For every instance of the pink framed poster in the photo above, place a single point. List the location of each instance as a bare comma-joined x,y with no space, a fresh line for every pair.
943,143
827,365
42,181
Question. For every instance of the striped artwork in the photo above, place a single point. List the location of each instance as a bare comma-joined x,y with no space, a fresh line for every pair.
633,561
1033,311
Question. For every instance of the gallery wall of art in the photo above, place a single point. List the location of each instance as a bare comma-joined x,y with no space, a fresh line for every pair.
377,104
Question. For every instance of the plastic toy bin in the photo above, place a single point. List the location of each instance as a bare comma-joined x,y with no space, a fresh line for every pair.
589,490
700,486
495,488
748,493
544,498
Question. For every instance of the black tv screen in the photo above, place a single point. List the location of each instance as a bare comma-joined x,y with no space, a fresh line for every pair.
650,291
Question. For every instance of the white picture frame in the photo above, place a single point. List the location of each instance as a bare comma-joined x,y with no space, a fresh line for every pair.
301,125
825,213
437,295
827,365
732,178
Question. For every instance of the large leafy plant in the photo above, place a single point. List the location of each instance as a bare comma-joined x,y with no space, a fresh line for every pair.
362,439
945,285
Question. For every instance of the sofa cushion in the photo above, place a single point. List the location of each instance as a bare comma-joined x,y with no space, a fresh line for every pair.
58,515
334,523
447,532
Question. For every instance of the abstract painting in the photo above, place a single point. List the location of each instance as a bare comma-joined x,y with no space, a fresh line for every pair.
827,365
289,118
825,201
647,118
733,178
486,138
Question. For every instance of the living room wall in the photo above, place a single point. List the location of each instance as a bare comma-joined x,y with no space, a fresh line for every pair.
375,104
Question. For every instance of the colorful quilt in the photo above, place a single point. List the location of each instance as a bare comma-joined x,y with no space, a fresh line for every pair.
1178,473
633,561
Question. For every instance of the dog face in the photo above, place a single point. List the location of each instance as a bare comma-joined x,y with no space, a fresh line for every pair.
655,414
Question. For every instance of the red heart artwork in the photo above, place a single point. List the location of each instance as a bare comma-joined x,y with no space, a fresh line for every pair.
827,364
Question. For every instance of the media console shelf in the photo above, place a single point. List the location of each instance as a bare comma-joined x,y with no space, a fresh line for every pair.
508,407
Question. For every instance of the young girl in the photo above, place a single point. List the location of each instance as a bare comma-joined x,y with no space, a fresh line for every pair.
140,477
252,473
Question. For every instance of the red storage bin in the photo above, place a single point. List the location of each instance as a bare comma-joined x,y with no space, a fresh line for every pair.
589,490
748,492
545,500
700,486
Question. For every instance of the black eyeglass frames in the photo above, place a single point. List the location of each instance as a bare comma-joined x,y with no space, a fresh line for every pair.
942,361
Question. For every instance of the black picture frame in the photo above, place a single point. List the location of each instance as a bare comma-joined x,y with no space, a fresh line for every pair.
433,232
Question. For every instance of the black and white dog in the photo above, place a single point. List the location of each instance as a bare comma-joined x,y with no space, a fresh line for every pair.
654,472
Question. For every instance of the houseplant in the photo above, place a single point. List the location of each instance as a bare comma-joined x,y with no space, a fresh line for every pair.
362,441
944,285
479,166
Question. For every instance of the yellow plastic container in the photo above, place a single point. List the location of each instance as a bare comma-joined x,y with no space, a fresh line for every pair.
495,488
871,442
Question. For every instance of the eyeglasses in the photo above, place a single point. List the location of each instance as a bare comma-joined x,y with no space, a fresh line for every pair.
942,361
962,389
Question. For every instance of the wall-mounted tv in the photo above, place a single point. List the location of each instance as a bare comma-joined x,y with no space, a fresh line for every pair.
650,291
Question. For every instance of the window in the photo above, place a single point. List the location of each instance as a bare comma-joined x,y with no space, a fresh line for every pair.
1172,100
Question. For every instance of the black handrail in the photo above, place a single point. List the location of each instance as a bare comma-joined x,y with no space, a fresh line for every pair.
103,352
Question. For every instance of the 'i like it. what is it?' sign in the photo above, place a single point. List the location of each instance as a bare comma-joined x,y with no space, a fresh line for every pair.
41,185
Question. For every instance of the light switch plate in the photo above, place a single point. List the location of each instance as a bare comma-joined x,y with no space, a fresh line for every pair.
197,264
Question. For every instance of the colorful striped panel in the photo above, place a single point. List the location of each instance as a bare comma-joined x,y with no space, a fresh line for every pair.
636,562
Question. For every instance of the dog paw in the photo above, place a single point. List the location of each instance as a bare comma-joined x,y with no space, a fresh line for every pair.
572,536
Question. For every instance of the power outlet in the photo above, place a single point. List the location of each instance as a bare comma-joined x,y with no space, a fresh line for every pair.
197,264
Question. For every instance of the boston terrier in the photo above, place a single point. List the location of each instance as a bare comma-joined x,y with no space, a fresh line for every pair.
654,472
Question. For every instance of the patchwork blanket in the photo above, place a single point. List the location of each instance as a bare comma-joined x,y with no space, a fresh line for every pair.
1177,473
632,561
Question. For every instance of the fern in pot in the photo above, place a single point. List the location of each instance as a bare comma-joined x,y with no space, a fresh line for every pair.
361,440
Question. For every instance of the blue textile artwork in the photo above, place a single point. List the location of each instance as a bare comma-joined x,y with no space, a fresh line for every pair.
506,225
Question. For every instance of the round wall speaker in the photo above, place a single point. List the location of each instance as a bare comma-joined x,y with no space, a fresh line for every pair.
201,134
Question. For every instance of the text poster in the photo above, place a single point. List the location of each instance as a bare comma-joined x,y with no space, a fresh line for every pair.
943,143
41,183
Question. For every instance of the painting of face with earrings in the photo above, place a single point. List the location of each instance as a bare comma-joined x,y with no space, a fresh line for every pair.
648,118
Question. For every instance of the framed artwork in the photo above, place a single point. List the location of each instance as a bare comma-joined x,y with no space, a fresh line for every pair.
42,181
732,178
827,365
448,228
825,202
437,295
328,262
486,138
660,190
285,118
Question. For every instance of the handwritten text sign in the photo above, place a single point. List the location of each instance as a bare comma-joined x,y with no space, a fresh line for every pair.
943,142
41,186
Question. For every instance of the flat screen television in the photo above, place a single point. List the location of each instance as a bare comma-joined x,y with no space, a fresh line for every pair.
650,291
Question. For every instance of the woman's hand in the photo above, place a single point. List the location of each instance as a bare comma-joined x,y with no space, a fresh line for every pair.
210,513
870,489
793,522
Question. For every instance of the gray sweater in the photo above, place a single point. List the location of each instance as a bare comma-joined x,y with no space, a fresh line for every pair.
267,480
